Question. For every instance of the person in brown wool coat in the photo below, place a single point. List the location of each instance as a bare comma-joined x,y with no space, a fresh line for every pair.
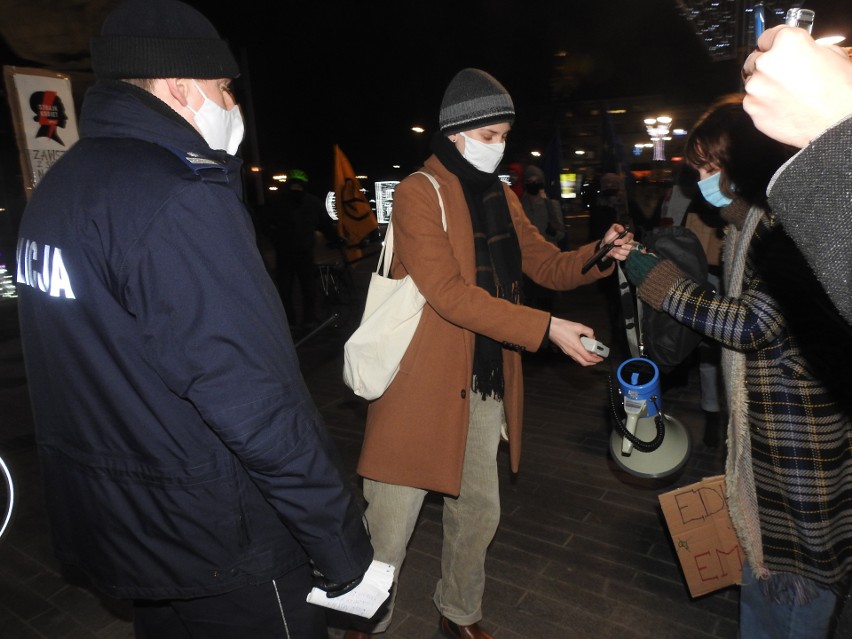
438,426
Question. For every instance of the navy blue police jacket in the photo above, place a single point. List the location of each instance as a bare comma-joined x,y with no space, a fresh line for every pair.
182,454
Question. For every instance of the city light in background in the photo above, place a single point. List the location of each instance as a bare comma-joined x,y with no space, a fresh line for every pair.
658,130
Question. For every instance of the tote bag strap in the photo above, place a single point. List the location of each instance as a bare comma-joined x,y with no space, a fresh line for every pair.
440,199
384,264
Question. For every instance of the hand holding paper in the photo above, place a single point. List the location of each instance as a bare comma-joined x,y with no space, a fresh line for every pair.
365,599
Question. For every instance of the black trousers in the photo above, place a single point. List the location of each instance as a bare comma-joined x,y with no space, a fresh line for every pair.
272,610
292,268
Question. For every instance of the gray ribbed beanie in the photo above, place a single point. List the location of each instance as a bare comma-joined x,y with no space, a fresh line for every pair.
472,100
160,39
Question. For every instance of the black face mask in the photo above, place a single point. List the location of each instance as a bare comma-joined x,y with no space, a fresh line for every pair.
534,187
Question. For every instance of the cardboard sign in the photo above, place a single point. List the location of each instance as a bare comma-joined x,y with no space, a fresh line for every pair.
703,535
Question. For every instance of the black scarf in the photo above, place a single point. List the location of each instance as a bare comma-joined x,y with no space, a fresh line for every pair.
497,252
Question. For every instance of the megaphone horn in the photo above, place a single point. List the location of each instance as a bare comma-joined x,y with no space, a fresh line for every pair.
647,443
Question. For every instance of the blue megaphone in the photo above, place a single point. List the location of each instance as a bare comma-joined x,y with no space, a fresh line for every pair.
639,380
648,443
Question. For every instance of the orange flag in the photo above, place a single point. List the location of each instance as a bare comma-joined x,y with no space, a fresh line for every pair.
355,217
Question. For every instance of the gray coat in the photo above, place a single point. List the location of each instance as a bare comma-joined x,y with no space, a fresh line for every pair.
812,196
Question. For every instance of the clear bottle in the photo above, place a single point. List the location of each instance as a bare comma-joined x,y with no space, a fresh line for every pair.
802,18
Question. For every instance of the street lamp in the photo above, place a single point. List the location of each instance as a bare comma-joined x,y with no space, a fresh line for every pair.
658,129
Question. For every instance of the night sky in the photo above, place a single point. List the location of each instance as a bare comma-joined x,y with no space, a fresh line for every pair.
360,74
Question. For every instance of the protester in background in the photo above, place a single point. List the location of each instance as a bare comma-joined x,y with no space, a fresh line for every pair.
546,215
438,425
543,211
185,466
800,93
789,466
292,221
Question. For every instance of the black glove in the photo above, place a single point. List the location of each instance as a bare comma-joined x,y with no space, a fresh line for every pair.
331,588
638,265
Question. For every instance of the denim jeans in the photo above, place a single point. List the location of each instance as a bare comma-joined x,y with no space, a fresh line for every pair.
469,522
761,618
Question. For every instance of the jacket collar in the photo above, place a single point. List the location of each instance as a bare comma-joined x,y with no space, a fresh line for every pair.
116,109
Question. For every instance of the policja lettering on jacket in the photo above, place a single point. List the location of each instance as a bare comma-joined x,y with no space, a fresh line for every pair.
51,278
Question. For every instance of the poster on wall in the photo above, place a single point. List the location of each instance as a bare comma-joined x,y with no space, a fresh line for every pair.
42,106
384,200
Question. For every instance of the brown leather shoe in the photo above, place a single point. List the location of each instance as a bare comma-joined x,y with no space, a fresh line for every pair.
455,631
357,634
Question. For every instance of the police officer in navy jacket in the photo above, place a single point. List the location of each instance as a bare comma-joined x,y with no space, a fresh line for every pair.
185,465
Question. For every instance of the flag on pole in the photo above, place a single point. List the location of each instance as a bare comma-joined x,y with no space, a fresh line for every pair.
355,217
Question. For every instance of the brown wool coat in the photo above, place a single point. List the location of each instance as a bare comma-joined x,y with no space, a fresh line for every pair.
416,432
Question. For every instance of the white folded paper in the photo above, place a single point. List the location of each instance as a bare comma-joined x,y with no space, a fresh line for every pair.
364,600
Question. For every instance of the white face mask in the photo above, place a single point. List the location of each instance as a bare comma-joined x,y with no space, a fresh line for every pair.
221,128
485,157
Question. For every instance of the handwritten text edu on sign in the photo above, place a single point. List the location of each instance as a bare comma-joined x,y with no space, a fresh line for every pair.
703,536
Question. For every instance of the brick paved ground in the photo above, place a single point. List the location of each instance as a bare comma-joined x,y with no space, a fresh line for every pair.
581,552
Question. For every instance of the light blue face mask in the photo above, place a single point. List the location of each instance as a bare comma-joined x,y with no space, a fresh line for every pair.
709,187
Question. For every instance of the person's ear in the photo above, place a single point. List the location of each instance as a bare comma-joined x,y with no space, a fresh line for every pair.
179,89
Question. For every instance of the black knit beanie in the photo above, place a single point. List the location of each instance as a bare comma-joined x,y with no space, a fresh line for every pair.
160,39
472,100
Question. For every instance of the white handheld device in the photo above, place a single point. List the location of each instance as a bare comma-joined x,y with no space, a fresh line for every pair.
594,346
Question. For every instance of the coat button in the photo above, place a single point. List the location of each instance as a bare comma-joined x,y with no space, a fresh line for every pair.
463,394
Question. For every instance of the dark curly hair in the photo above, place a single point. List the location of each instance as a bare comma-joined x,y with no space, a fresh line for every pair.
725,137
